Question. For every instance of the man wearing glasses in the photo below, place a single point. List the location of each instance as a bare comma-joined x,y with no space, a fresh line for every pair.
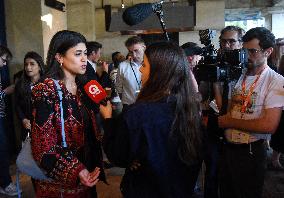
230,39
128,79
6,185
256,105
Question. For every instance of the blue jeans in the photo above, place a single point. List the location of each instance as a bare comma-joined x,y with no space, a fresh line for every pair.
5,178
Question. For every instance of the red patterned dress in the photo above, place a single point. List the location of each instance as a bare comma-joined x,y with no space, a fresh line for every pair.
63,167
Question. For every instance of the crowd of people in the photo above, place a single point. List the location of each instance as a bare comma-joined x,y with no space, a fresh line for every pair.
157,122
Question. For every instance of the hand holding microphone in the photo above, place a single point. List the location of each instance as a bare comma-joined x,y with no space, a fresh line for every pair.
98,95
106,110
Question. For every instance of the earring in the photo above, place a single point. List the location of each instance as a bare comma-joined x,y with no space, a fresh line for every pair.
61,64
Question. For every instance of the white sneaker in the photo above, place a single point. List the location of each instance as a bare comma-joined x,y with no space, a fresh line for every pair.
10,190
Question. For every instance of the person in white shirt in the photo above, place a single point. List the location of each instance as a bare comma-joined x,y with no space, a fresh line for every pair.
254,113
117,58
128,80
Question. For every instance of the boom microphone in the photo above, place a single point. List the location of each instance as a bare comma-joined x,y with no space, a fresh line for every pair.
138,13
95,92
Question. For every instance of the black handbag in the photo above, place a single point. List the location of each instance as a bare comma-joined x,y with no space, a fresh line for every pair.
25,161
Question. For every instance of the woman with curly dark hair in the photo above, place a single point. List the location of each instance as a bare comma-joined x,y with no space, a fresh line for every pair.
158,140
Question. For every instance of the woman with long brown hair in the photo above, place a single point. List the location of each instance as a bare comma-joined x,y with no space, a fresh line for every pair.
158,139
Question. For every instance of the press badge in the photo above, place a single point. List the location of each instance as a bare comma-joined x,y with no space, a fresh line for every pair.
240,137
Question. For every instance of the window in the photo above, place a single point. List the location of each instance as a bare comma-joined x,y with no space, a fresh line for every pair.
247,24
278,25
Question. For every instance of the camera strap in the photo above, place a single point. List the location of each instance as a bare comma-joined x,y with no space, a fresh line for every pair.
138,83
225,95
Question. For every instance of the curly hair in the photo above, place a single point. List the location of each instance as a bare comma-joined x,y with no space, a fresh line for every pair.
266,38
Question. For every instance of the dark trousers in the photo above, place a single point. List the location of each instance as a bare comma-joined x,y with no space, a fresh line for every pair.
125,107
117,109
242,173
211,160
5,178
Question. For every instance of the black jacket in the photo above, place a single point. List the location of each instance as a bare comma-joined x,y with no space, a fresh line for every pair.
23,105
143,134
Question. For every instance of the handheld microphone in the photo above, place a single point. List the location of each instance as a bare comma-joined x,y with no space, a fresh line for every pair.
139,12
96,92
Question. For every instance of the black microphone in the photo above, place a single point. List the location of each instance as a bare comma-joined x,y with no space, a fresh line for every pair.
138,13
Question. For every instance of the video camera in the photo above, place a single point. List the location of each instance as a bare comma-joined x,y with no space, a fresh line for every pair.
225,65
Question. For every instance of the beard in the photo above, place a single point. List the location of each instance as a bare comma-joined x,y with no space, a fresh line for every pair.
253,64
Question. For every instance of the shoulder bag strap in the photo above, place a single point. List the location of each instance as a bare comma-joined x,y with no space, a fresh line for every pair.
59,91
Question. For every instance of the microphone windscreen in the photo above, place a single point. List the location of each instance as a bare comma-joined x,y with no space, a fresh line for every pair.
137,13
95,91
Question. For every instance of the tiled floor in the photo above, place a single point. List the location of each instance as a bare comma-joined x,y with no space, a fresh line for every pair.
273,188
104,190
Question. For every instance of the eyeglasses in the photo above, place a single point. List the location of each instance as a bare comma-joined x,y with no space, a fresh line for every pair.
230,41
253,51
4,60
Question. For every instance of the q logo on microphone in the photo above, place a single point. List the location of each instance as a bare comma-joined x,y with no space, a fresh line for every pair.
93,89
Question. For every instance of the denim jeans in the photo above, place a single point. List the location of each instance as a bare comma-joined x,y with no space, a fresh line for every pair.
5,178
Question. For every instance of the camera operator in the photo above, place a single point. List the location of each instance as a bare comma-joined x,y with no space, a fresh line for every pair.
230,39
194,54
256,103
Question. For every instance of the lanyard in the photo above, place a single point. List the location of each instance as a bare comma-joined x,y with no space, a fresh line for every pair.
248,97
138,83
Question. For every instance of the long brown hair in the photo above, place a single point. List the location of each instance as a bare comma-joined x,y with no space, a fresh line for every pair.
170,76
